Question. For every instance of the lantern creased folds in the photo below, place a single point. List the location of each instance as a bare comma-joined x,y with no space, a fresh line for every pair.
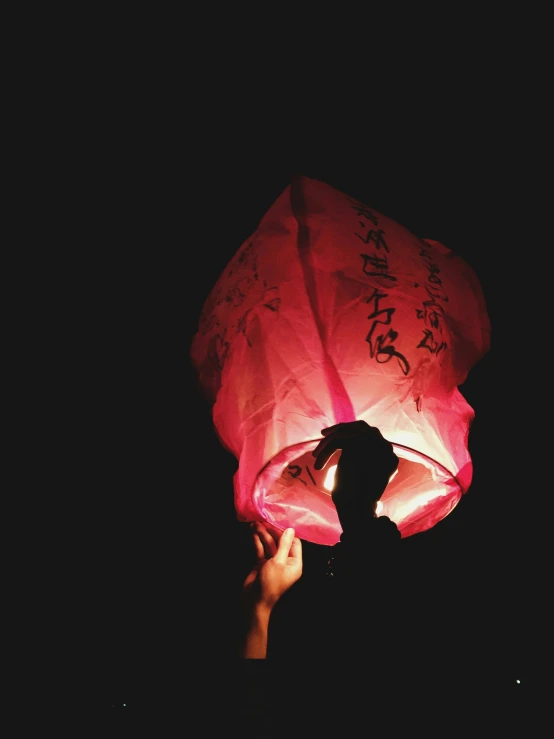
332,312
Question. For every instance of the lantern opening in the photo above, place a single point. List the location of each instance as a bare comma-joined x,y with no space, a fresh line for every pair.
420,489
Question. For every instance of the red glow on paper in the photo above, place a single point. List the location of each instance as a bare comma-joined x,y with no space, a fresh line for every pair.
332,312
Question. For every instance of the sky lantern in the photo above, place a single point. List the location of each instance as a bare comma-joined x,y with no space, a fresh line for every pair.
332,312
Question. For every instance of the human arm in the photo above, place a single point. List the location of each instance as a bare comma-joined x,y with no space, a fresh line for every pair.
278,566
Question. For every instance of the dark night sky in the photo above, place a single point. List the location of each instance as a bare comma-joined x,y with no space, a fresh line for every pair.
172,196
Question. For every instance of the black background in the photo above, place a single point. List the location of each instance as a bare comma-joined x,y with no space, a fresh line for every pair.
166,175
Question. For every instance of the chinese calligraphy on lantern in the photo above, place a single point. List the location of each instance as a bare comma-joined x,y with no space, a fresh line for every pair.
432,311
381,336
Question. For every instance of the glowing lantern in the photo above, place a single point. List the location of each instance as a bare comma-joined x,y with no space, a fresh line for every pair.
332,312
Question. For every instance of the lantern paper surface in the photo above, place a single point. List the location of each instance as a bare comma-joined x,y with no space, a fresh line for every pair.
332,312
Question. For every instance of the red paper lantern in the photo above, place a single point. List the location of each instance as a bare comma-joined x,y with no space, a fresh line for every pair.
332,312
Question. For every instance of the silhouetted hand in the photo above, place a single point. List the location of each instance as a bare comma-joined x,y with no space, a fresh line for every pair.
366,464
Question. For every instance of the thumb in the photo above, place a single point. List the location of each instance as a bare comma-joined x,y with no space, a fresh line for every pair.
285,543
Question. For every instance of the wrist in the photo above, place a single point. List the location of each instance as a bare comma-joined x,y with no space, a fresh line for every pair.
255,644
260,613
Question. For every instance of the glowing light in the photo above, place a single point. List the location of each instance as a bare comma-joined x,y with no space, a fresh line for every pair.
329,482
378,507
